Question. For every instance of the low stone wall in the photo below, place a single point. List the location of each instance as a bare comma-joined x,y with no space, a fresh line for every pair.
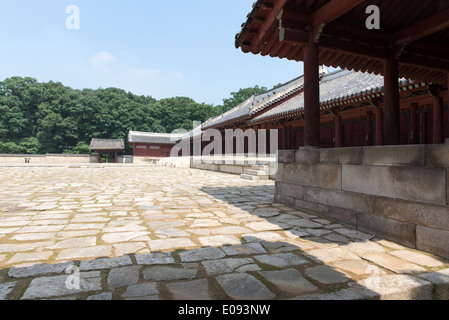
397,192
47,159
233,164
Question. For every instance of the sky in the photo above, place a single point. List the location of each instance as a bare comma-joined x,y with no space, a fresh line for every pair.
155,48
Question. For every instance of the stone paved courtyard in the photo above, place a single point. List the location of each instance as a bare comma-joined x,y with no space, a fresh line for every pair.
177,234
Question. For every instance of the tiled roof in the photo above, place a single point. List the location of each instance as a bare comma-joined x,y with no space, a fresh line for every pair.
145,137
258,103
105,144
335,87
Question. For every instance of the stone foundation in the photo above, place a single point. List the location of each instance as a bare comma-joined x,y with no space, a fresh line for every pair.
398,192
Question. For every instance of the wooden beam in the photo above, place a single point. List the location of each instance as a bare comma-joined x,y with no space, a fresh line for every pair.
271,18
332,11
423,61
424,28
300,37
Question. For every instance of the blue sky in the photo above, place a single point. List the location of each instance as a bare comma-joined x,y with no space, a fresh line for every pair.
149,47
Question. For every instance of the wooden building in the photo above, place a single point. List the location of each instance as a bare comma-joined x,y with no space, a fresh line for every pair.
411,44
106,146
351,115
152,145
393,181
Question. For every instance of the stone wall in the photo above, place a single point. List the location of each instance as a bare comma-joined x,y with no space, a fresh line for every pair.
47,159
233,164
398,192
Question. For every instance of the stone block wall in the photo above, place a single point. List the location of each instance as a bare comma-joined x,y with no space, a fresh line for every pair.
46,159
397,192
233,164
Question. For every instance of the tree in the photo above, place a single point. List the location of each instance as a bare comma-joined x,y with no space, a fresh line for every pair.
239,97
52,118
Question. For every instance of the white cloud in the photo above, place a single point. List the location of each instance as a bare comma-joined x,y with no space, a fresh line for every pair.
102,60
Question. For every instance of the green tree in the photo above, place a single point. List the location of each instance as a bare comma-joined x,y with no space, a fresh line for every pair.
239,97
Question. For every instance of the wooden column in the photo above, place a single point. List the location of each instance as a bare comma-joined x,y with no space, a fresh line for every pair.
338,137
98,157
379,127
115,157
414,128
311,95
438,133
369,129
392,124
291,138
283,145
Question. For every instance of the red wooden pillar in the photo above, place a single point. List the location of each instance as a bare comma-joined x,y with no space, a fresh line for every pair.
338,136
438,134
369,129
392,124
379,127
284,138
311,95
414,132
291,138
99,157
115,157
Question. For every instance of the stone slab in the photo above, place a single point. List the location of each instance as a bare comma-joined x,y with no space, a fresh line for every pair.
307,155
293,191
440,281
347,200
39,270
190,290
82,253
155,258
123,277
105,296
246,249
418,213
221,266
48,287
161,273
220,240
168,244
437,155
244,287
407,183
411,155
141,290
391,229
281,260
394,264
342,295
6,289
433,240
341,155
330,255
314,175
327,275
202,254
394,287
290,281
417,258
105,263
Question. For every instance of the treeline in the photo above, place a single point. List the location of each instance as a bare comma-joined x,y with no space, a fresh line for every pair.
39,118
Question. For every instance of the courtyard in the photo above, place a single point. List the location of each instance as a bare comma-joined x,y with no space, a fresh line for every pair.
152,232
